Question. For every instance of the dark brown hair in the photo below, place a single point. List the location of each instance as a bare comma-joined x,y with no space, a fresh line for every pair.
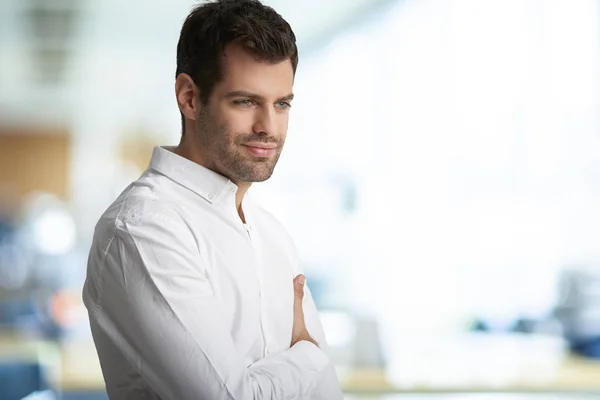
212,25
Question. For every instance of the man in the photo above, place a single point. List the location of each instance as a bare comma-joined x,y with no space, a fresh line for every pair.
193,290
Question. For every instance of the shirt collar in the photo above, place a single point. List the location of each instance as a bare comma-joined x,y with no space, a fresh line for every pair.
212,186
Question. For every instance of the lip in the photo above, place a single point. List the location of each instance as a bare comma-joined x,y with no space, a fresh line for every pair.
260,145
261,149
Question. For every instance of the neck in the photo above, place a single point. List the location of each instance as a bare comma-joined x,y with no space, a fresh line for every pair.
239,196
194,153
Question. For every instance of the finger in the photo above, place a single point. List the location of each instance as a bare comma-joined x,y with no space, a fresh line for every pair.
299,287
298,295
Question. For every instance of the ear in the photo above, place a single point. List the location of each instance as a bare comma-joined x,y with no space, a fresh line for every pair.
188,96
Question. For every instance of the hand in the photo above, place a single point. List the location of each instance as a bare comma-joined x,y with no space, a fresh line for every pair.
299,331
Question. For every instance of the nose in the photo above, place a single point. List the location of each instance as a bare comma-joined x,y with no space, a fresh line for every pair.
265,121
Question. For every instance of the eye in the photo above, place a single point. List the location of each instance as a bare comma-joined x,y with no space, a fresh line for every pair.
283,105
243,103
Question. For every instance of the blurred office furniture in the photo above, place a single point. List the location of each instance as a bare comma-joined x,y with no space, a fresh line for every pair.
578,309
27,364
19,378
35,160
353,341
41,395
36,264
478,363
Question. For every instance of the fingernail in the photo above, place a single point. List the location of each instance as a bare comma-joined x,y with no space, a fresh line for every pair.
301,280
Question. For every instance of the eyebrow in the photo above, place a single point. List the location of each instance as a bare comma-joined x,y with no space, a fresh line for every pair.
243,93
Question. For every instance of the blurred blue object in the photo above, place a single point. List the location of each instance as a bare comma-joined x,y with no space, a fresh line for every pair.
18,379
578,309
13,310
587,348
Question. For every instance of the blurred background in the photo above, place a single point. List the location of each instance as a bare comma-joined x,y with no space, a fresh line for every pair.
448,219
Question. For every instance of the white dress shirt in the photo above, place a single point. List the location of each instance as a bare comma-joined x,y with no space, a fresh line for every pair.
187,302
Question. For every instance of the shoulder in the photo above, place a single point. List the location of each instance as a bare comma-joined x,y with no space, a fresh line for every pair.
144,204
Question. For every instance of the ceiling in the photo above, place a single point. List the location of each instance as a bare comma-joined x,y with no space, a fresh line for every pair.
61,59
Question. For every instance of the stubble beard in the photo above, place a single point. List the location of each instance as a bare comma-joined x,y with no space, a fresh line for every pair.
227,155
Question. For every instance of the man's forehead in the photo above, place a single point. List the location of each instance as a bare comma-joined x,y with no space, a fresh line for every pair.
235,55
242,71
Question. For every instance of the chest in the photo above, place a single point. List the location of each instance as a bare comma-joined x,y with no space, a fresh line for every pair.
251,270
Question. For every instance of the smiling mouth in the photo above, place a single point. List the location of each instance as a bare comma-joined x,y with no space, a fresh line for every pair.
261,150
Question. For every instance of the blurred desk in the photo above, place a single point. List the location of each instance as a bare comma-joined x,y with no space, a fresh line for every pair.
80,367
475,362
575,375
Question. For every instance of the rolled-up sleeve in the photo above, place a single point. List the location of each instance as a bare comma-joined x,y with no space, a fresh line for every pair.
150,297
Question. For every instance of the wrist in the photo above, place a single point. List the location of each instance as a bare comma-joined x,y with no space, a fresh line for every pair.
309,339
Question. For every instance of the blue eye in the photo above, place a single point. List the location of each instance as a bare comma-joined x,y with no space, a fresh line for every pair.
283,105
243,103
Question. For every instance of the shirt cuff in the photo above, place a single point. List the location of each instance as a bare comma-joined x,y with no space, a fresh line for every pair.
314,356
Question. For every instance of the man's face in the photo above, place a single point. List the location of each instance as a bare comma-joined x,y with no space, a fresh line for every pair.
242,129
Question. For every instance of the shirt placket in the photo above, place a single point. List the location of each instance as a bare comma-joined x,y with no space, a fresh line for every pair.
255,243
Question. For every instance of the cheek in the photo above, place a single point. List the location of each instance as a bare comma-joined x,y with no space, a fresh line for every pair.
283,124
240,121
229,140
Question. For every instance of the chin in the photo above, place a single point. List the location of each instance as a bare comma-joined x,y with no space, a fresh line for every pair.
261,177
260,171
251,176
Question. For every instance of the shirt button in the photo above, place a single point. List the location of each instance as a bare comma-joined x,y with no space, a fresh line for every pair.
211,196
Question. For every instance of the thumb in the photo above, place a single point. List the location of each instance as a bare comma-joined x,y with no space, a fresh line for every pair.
299,286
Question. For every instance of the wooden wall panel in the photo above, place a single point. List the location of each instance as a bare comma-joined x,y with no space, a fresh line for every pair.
35,162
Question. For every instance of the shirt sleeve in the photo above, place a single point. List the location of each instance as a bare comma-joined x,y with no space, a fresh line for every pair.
152,299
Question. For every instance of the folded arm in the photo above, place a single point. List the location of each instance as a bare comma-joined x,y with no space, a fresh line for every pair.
156,305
